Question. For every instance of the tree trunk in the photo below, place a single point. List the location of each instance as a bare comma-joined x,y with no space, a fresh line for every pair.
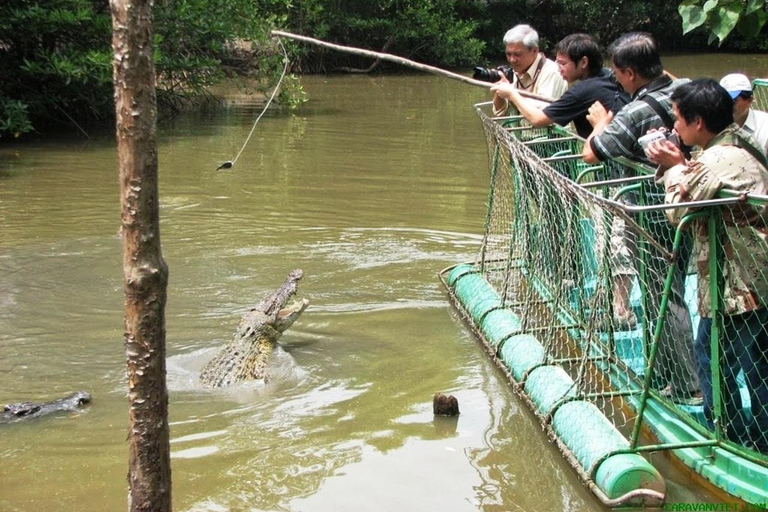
144,270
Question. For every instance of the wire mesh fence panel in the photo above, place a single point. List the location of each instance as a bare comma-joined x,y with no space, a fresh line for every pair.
760,91
604,293
732,342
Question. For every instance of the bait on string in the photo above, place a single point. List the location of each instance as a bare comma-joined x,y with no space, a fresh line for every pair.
367,53
229,163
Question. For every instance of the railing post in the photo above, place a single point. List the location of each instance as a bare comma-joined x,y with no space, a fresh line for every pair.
714,226
654,347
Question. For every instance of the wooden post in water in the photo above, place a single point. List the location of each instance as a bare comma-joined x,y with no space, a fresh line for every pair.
145,272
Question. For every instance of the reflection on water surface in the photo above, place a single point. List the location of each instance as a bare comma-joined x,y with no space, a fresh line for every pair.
372,189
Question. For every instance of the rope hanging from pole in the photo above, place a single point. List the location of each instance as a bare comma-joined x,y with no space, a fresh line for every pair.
229,163
366,53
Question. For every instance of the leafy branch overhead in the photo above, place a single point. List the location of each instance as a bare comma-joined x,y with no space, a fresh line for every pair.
720,17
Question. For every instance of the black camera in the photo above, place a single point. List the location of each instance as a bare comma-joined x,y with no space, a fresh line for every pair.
492,75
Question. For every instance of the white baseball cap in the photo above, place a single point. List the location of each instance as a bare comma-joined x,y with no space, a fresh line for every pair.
735,84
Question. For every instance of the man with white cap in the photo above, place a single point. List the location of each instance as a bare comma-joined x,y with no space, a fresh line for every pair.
754,122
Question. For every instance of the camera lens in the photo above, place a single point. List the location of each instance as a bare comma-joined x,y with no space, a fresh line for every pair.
486,75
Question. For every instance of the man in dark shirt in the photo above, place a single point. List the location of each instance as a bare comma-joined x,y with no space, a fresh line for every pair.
580,62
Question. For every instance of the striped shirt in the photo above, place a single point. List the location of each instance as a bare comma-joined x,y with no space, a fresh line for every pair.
634,120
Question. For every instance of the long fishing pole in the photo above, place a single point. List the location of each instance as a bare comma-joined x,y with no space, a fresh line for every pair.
399,60
229,163
366,53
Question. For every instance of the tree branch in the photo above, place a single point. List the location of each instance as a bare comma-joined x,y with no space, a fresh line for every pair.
398,60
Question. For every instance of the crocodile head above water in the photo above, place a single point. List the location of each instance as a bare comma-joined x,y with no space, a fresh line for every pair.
26,410
287,315
279,316
246,356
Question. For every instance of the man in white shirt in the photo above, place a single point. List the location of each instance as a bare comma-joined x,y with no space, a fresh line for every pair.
533,72
754,122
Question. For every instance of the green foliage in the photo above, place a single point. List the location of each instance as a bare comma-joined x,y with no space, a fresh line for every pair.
56,55
292,94
53,61
608,19
14,119
430,31
192,36
720,17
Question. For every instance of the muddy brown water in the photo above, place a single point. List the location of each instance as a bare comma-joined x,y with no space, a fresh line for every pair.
375,186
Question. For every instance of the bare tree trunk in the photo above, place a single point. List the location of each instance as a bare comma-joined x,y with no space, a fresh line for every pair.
144,270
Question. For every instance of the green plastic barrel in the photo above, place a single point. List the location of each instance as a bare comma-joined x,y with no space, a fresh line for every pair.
580,425
499,325
520,353
476,295
622,473
546,385
458,271
590,436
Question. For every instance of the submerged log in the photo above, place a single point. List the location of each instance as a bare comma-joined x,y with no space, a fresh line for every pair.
246,356
445,405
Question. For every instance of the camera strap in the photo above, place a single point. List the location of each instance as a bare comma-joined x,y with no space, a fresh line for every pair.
539,67
734,136
660,111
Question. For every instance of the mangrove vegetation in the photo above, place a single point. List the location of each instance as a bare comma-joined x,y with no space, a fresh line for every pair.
56,60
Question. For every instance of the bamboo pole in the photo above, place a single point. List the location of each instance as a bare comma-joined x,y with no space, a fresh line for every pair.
399,60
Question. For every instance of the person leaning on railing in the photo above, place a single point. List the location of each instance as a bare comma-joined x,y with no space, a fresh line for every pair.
532,71
580,62
637,66
729,159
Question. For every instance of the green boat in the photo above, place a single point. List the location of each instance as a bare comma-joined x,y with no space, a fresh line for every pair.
542,298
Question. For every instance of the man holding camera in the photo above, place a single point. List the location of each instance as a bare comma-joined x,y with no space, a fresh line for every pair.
730,159
580,63
637,66
531,70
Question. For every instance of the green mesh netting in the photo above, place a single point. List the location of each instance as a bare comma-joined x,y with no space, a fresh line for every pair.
595,282
760,90
578,269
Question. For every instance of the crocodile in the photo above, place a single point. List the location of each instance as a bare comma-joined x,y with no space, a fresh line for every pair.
246,355
27,410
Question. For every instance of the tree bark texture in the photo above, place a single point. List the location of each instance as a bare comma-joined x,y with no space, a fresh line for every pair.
145,271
